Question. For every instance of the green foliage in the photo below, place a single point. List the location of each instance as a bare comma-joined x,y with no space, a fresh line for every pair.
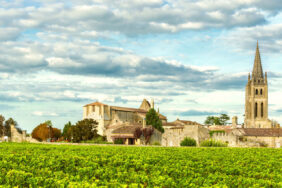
66,133
2,119
39,165
118,141
215,131
213,143
49,123
188,142
84,130
221,120
97,140
152,118
156,144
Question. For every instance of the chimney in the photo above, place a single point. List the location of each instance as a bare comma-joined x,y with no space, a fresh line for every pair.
234,121
152,103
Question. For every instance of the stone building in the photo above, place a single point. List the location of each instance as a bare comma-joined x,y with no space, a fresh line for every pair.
257,130
111,117
256,104
177,130
251,137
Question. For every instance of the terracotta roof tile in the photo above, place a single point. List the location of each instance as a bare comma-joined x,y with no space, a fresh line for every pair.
266,132
129,129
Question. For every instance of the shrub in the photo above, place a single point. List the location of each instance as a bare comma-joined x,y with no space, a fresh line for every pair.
118,141
188,142
213,143
156,144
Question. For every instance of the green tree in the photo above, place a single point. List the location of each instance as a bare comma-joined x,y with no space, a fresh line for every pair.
2,119
224,118
66,132
211,120
152,118
214,120
84,130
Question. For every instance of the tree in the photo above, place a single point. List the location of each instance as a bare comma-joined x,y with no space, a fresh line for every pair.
147,133
214,120
66,131
56,133
8,124
84,130
49,123
44,131
224,118
2,119
152,118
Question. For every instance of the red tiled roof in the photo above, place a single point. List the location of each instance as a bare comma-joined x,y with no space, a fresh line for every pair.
187,122
138,110
169,124
265,132
128,109
129,129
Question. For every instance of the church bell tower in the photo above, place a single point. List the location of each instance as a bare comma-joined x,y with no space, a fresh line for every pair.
256,104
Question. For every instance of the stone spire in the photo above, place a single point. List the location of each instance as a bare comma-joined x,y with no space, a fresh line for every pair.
257,69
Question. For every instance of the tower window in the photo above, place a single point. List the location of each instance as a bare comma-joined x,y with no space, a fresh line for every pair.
261,107
261,91
256,110
256,91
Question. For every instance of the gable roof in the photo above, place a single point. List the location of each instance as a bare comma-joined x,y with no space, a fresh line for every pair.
95,104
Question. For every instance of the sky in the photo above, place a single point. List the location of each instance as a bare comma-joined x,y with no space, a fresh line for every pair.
191,56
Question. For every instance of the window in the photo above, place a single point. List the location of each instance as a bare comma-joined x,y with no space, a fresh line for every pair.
261,107
256,110
256,91
261,91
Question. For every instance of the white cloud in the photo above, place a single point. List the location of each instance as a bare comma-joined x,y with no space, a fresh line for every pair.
48,114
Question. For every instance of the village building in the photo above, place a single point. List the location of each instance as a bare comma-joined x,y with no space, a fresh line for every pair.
122,122
118,122
177,130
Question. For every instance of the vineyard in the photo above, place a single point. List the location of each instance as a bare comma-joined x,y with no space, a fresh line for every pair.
33,165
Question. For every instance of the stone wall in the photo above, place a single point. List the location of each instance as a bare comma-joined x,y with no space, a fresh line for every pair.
229,138
174,135
18,137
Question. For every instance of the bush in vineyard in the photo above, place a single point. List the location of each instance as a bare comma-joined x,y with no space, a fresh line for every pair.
188,142
213,143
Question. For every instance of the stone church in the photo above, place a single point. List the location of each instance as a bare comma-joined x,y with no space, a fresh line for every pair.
256,104
257,130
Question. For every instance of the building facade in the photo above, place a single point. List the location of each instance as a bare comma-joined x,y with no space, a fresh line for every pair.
256,99
110,117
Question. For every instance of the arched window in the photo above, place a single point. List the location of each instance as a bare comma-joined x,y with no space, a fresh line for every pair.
256,91
256,110
261,108
261,91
